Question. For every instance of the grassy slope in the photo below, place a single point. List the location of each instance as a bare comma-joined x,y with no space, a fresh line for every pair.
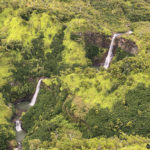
86,86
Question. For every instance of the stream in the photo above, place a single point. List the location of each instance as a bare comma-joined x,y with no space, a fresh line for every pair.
23,107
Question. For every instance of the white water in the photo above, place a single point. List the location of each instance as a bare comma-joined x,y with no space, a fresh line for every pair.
18,126
110,52
129,32
36,93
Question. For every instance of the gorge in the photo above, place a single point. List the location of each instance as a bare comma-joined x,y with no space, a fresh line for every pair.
110,52
20,134
71,77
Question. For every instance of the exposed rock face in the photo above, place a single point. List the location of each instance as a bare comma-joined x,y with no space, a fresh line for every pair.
98,39
127,45
104,41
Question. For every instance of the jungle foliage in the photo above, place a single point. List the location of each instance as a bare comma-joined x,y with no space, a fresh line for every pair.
79,106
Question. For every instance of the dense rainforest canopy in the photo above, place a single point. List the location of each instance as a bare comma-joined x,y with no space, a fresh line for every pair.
81,105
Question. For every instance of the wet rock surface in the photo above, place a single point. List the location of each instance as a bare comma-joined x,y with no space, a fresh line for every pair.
103,41
127,45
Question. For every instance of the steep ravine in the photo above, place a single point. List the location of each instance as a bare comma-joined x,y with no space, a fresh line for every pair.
100,40
93,38
20,108
110,52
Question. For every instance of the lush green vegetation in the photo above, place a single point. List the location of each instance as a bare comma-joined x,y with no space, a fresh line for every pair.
79,106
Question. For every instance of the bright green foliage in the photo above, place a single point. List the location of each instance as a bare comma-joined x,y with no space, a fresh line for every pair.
5,111
79,106
70,140
6,130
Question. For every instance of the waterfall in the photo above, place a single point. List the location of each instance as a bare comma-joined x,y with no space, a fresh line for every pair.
18,126
36,93
110,52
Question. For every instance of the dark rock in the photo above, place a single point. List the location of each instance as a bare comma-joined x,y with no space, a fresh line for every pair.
127,45
101,40
98,39
148,146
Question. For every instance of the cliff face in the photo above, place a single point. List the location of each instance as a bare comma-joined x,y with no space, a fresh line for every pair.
98,39
127,45
103,41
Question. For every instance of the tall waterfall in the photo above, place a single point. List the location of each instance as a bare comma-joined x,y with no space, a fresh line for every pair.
110,52
36,93
18,126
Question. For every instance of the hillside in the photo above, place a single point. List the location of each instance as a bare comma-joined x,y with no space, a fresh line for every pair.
81,105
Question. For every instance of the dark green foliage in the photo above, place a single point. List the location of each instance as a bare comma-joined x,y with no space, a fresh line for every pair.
113,88
51,101
107,7
42,125
75,37
122,69
120,54
86,85
64,17
98,120
6,92
131,116
52,59
14,45
57,44
33,57
22,91
37,49
57,107
64,0
5,136
90,72
1,9
92,50
138,12
138,103
26,13
98,87
23,71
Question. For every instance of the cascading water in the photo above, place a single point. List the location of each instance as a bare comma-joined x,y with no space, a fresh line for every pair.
23,107
36,93
20,134
110,52
18,126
